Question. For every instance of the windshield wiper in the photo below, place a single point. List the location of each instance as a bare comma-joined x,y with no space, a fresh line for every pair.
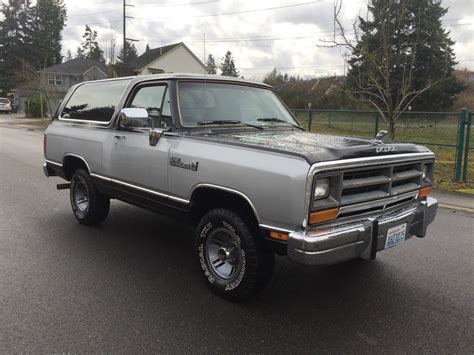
274,119
222,122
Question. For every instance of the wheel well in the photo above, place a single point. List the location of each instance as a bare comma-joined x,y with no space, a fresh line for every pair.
205,199
71,164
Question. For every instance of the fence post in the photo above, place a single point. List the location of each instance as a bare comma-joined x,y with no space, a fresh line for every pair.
376,124
459,148
466,148
310,119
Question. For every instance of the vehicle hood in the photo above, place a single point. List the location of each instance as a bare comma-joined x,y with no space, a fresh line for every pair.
313,147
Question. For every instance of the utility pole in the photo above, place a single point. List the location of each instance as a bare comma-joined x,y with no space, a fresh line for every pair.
125,39
124,29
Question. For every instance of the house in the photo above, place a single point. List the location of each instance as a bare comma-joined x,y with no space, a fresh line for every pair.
173,58
58,79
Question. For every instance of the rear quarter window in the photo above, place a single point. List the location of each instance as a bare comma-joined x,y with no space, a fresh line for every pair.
94,101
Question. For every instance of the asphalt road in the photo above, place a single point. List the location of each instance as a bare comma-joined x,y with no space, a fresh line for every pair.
131,285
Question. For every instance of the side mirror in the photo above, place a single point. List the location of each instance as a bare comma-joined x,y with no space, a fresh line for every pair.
133,118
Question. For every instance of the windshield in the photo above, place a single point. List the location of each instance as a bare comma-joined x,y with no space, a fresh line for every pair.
215,103
4,101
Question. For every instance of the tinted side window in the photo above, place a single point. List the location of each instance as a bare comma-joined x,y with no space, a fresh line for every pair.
94,101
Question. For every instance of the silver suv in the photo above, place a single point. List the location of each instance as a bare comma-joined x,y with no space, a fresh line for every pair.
227,156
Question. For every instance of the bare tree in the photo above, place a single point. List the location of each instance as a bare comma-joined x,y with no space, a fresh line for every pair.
109,44
37,82
383,67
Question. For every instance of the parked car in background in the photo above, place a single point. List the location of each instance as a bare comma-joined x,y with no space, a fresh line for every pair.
5,105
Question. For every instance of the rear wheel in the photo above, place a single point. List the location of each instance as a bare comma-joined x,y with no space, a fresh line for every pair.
88,205
234,262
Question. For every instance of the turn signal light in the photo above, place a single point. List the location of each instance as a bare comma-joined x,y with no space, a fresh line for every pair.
279,236
425,191
323,216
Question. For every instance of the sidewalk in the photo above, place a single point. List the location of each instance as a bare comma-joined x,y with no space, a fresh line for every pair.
454,200
20,121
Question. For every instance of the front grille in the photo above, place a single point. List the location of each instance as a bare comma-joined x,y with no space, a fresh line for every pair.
368,184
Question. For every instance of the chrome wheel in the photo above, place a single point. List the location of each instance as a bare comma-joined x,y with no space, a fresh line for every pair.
224,254
81,196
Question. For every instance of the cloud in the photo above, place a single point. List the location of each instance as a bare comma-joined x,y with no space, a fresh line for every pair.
283,37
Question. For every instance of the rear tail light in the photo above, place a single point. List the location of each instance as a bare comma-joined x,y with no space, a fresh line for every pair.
44,144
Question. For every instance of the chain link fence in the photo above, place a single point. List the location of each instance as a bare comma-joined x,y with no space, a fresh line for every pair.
447,134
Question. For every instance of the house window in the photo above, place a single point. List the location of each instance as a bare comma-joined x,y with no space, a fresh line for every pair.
56,80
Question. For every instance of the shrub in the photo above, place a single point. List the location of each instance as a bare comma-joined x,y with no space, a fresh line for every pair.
33,107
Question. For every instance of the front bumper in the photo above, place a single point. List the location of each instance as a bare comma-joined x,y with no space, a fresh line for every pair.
362,238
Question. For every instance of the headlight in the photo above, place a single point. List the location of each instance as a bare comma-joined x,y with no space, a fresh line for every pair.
322,189
424,172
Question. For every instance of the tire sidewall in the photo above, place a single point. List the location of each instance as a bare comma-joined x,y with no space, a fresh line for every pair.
79,178
213,221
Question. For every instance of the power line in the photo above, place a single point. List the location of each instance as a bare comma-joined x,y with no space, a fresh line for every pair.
234,12
94,13
153,4
211,15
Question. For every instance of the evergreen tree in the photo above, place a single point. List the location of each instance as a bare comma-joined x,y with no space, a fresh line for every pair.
228,66
15,42
68,55
435,58
147,48
211,65
90,46
48,21
275,77
79,53
403,58
130,54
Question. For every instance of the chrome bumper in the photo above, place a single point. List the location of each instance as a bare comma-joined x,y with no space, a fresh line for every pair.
363,238
45,170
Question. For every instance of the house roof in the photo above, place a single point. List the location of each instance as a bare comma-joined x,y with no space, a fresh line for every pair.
76,66
152,54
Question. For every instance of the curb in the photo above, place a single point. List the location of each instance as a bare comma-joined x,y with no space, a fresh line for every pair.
456,208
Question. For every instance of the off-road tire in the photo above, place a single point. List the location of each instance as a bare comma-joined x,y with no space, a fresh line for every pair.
98,204
256,261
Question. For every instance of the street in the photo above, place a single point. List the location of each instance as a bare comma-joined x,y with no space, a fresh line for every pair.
133,285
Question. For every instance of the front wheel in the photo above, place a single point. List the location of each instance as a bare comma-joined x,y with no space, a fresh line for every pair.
88,205
235,263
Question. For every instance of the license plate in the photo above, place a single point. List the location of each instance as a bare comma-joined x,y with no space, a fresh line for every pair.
396,235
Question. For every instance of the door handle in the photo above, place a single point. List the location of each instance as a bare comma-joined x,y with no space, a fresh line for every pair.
119,136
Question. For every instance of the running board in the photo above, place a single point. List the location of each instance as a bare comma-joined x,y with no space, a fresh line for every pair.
63,186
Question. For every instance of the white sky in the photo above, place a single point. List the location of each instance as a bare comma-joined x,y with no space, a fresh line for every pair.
284,37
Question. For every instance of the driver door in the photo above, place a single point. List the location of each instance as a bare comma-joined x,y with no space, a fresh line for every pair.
133,160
